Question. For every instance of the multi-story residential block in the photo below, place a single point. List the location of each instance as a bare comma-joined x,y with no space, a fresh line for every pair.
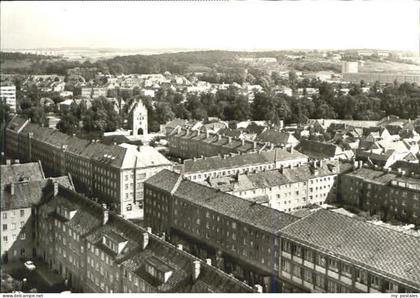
321,252
201,169
238,235
287,189
187,143
22,187
112,173
97,251
330,252
390,194
8,96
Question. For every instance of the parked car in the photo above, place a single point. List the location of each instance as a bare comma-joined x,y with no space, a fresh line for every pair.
30,265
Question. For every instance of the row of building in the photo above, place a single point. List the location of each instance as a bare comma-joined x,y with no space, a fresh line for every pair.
93,249
322,252
113,173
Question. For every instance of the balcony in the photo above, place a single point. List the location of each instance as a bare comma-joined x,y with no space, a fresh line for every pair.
361,287
320,269
373,290
286,274
286,255
332,274
308,285
308,264
346,280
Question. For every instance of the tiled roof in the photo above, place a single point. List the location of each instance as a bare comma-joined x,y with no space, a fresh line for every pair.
16,123
259,216
268,179
112,155
158,253
21,172
27,194
407,166
236,160
316,149
380,249
275,137
375,176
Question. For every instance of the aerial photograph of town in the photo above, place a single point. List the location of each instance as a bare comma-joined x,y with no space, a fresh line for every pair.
210,147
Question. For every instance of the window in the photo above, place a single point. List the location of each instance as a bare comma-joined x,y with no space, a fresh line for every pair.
319,281
22,236
346,269
5,238
309,256
361,276
22,223
4,227
333,265
285,265
4,215
320,261
375,282
307,275
22,213
13,226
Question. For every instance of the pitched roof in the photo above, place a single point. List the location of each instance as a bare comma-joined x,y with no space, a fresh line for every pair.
365,244
27,194
276,137
15,173
259,216
238,160
317,149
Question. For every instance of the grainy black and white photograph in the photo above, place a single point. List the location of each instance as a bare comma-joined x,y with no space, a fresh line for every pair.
210,147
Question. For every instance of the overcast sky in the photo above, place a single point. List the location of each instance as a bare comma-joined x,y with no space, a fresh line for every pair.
243,25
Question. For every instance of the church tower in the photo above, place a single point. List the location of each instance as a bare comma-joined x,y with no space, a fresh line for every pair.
139,118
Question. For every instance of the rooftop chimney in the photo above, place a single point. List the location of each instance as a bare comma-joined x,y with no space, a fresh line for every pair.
105,214
145,239
55,188
243,142
219,137
196,269
208,262
179,246
149,230
17,161
229,140
254,145
8,162
258,289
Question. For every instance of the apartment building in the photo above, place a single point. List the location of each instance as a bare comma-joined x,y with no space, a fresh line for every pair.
8,96
112,173
237,235
287,189
327,252
389,194
97,251
22,187
187,143
201,169
278,138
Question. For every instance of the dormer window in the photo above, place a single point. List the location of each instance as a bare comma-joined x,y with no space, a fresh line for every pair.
158,269
114,242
